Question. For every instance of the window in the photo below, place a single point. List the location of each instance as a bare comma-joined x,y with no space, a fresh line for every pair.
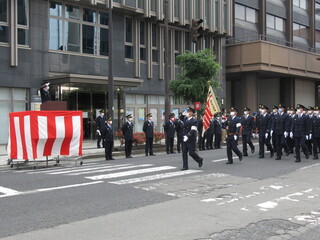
23,22
187,10
275,23
300,3
153,5
143,52
317,10
207,12
155,52
4,26
245,13
318,39
3,11
76,29
176,44
300,31
187,42
176,8
197,8
141,4
128,38
216,14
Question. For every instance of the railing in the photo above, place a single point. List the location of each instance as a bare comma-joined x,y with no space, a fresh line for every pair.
279,41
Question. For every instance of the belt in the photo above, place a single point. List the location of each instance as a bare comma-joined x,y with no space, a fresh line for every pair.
231,134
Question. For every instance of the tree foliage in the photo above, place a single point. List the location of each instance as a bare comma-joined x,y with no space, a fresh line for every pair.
197,69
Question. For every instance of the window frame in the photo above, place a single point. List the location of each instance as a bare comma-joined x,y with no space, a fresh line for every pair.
128,44
246,9
274,27
6,25
156,47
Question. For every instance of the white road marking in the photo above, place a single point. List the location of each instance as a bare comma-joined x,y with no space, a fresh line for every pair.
110,169
66,168
223,159
7,191
51,189
86,169
129,173
155,177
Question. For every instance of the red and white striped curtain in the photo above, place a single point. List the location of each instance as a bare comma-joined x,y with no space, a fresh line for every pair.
36,134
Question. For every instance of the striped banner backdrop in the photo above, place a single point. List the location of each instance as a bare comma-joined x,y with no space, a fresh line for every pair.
35,134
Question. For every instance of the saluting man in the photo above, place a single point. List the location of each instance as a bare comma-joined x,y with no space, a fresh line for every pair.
108,136
148,128
189,140
169,129
247,122
127,130
316,133
100,125
233,131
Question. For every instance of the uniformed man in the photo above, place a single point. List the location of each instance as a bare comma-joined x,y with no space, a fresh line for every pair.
264,126
44,92
100,127
210,133
316,133
311,117
233,131
247,122
201,139
148,129
108,136
189,140
179,129
217,131
170,129
300,132
290,142
127,130
275,110
280,130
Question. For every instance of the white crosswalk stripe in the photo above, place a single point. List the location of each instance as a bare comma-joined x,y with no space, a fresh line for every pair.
65,168
85,169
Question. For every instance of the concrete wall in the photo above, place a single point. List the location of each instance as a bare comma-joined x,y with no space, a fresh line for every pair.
305,92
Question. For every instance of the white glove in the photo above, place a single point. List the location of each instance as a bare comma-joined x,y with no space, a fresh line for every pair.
310,136
235,137
253,135
266,135
185,138
307,137
271,133
98,131
285,134
291,134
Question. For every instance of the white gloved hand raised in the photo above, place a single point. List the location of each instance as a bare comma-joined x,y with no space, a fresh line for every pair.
285,134
98,131
235,137
185,138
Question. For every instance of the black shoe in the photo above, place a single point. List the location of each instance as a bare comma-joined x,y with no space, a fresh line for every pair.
240,158
261,156
307,156
130,156
298,160
112,159
288,153
173,152
253,150
271,154
278,158
168,153
151,154
229,162
245,154
107,159
315,158
200,163
184,169
147,155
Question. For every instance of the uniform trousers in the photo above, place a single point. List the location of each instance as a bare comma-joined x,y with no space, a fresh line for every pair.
149,145
108,149
232,145
209,142
246,140
280,144
316,146
169,144
264,141
128,147
189,147
309,145
217,141
179,141
300,142
201,142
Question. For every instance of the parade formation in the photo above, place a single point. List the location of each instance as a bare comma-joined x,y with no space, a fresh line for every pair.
282,130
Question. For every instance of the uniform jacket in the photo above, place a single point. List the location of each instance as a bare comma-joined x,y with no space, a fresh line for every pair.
100,122
170,129
310,121
264,124
179,127
45,95
127,130
281,123
217,126
300,126
316,127
148,128
247,124
108,132
233,125
210,130
200,127
190,129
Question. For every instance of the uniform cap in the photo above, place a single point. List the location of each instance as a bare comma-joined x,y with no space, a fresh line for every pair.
310,108
264,107
149,115
233,109
109,119
129,116
301,106
101,111
171,115
275,107
247,109
316,108
45,84
293,109
190,109
281,106
217,115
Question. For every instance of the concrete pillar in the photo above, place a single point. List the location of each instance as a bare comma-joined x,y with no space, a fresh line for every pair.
287,91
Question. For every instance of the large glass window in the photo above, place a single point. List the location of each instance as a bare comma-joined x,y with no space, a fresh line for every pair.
143,35
245,13
317,10
176,8
4,34
153,5
4,26
129,38
89,39
72,36
197,9
89,15
104,40
23,12
3,10
301,3
275,23
187,9
300,31
55,34
155,52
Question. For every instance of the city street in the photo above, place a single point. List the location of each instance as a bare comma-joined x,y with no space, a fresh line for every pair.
150,198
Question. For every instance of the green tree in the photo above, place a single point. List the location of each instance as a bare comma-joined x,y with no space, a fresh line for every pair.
197,69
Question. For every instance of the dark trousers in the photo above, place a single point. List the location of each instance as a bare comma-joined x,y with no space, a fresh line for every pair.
274,142
217,141
300,142
316,145
246,139
232,145
189,147
108,149
169,144
280,144
179,141
149,146
128,147
201,142
309,145
264,141
290,144
209,141
99,139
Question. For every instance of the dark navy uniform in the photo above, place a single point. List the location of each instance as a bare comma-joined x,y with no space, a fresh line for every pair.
169,129
100,127
45,95
309,142
300,129
280,125
273,137
290,141
233,131
316,136
247,123
217,133
201,140
179,129
127,130
148,129
210,133
264,124
189,144
108,137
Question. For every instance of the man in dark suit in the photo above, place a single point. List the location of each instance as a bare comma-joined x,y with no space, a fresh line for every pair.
148,129
300,130
217,131
100,127
44,92
247,122
108,138
275,110
169,129
201,139
316,133
127,130
280,130
189,140
264,124
290,142
179,129
210,133
233,131
311,117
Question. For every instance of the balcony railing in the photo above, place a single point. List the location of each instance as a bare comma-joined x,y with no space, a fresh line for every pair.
279,41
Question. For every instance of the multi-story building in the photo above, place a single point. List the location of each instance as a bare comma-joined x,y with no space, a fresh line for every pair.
66,43
273,55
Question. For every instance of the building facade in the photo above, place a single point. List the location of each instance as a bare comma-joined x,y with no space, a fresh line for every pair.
273,55
66,43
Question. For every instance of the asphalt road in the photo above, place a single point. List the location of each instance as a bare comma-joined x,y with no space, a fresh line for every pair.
148,198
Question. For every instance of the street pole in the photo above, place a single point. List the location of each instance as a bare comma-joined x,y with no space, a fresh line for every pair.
110,76
167,64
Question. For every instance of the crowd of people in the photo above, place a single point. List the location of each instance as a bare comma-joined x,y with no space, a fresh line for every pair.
282,130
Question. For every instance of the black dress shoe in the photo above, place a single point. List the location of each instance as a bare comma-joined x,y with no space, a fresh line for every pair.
240,158
298,160
229,162
307,156
278,158
147,155
112,159
107,159
261,156
253,150
184,169
271,154
287,153
152,154
130,156
200,163
315,158
245,154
